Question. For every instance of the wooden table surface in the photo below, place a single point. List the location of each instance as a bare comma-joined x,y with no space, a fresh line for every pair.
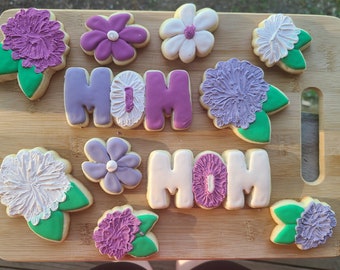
192,233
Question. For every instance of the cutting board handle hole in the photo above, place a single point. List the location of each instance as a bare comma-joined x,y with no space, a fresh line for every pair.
312,169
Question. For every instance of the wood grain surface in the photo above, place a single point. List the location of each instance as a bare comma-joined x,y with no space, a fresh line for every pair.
193,233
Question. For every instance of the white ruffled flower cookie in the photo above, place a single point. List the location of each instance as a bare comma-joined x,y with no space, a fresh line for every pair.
189,33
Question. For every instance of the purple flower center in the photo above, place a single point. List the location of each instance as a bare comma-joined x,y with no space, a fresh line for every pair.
128,99
189,31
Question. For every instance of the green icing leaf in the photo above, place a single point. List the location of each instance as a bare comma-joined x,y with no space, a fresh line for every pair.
294,60
51,228
75,199
286,235
29,80
276,100
143,246
7,64
259,131
148,220
304,39
289,213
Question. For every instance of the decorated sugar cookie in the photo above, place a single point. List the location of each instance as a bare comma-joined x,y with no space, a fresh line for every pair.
308,223
278,41
124,231
189,33
112,164
114,38
37,185
237,96
34,48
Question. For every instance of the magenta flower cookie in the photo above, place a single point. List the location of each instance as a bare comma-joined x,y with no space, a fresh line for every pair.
34,48
124,231
114,38
112,164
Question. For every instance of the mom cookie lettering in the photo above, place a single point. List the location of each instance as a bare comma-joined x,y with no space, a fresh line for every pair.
127,99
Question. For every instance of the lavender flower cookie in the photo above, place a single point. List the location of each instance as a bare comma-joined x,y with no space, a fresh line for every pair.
308,223
237,96
112,165
34,48
124,231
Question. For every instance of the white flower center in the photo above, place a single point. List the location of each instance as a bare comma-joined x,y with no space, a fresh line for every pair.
210,183
111,166
112,35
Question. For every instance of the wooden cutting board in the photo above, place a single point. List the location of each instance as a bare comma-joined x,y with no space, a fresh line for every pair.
193,233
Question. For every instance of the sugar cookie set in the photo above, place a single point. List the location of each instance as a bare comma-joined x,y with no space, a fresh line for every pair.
37,183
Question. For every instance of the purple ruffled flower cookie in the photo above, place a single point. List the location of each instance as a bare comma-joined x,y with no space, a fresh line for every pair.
112,164
35,46
308,223
114,38
237,96
124,231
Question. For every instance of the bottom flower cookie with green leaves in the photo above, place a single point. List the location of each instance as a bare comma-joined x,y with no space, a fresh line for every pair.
37,184
308,223
124,231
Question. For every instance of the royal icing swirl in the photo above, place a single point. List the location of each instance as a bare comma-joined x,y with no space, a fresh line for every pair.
34,37
274,38
127,99
234,91
33,183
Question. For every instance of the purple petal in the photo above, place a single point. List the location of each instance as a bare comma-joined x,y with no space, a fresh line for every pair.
118,21
122,50
90,40
130,160
117,148
95,171
98,23
103,50
111,183
129,177
95,149
134,34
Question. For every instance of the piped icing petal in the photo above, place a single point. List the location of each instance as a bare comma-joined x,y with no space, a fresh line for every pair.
99,23
170,49
103,50
129,177
204,41
134,34
186,13
96,151
111,183
118,21
94,171
90,40
122,50
187,51
206,19
171,27
117,148
131,160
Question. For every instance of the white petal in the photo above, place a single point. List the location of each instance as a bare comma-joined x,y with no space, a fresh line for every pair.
171,46
206,19
186,13
204,42
171,27
187,52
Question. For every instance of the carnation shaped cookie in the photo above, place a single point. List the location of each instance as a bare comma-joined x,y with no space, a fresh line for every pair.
308,223
237,96
124,231
112,164
114,38
34,48
37,185
188,33
277,41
